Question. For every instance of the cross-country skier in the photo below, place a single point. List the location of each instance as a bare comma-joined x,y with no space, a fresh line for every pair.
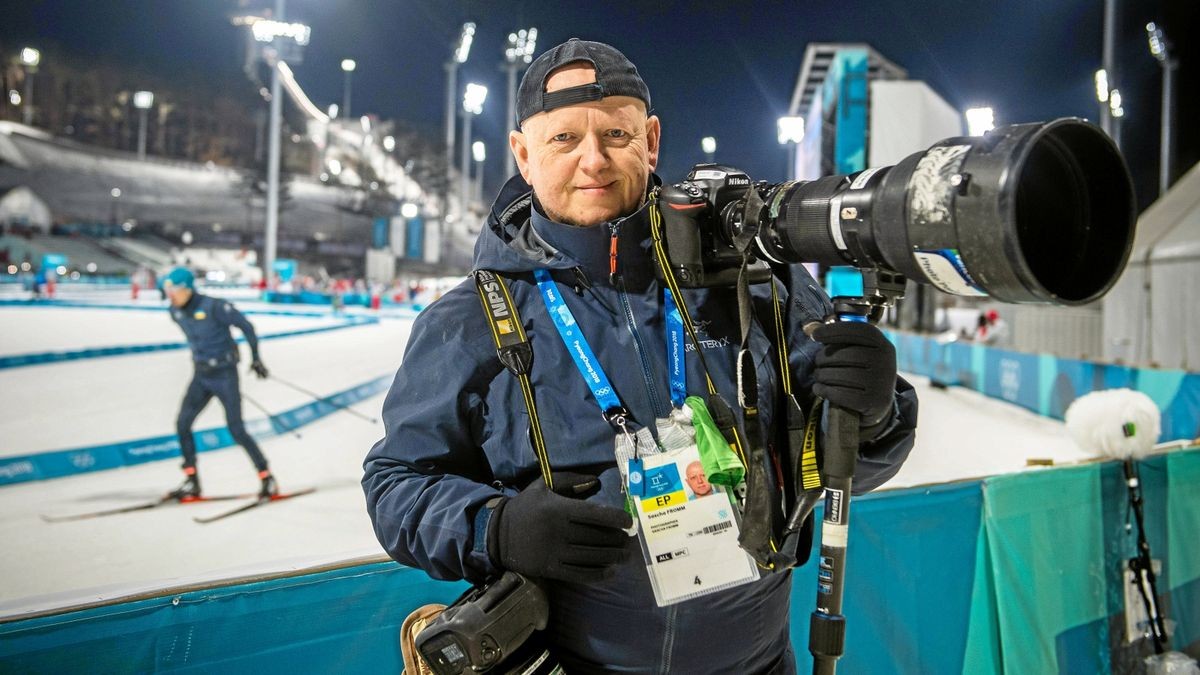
206,321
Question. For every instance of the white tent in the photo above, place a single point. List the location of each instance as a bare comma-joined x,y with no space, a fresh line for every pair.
1151,316
22,206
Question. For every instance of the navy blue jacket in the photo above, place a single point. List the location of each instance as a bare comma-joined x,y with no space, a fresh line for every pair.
457,434
205,321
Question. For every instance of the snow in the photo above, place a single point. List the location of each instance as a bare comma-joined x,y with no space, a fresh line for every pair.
87,402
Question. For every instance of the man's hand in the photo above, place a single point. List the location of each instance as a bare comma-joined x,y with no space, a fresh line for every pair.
856,369
259,369
556,534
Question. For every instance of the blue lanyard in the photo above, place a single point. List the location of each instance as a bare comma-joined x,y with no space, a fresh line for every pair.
585,359
581,352
675,351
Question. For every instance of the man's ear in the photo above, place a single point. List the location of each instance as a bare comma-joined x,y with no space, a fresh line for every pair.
518,145
653,135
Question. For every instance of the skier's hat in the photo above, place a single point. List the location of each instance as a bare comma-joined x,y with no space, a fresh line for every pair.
179,277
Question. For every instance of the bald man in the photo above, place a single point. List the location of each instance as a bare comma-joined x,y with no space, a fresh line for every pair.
457,486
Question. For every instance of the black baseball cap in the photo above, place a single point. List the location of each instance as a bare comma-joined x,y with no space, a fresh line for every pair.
615,76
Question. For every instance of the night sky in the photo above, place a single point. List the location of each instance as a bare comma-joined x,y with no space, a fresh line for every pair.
723,69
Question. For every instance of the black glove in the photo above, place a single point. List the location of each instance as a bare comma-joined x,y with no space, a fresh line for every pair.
556,534
259,369
856,369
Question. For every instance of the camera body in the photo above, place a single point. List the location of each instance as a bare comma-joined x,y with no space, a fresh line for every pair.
488,627
702,218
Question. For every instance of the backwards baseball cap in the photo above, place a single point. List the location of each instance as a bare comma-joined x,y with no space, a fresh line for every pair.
615,76
180,276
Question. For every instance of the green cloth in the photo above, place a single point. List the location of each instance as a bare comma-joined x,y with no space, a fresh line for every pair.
721,464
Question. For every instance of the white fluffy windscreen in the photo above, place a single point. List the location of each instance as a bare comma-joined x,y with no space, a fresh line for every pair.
1117,423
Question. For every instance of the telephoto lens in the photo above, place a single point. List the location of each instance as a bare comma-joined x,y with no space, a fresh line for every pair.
1028,213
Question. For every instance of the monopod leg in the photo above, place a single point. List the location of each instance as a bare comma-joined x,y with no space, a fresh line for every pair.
827,627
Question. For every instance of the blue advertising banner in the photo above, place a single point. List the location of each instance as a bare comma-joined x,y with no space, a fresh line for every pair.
1047,384
380,232
846,88
285,268
414,235
51,260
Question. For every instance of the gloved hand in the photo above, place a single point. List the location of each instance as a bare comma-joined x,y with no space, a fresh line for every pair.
856,369
259,369
556,534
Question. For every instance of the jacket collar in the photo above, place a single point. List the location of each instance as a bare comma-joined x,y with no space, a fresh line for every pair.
591,247
190,305
518,238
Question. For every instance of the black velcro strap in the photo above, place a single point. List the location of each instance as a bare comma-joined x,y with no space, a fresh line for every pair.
571,96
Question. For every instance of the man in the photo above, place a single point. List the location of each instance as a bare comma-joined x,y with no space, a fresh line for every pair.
991,329
206,321
455,487
696,480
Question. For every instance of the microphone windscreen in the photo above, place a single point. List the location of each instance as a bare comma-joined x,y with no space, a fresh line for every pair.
1117,423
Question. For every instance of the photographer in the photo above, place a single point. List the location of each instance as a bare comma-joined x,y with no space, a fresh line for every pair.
455,487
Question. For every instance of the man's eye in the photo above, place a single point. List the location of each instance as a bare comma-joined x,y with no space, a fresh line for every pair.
561,138
617,133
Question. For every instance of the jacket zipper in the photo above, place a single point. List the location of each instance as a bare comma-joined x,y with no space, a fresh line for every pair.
638,345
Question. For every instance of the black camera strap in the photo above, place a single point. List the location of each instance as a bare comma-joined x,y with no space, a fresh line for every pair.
514,351
802,484
756,536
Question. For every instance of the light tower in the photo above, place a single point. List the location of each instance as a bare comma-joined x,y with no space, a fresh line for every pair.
142,100
30,58
472,104
348,66
461,50
1160,48
517,55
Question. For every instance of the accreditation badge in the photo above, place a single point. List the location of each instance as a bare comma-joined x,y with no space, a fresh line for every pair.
689,527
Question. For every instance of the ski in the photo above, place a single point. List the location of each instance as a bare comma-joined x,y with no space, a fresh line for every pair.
254,504
145,506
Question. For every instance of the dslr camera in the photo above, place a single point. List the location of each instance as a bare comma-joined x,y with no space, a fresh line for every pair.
1029,213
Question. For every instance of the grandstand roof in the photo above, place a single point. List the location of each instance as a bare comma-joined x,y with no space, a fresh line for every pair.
80,184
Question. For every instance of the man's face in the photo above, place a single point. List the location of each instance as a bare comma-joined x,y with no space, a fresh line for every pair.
696,479
587,163
178,295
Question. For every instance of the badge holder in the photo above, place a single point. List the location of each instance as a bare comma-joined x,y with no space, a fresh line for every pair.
689,528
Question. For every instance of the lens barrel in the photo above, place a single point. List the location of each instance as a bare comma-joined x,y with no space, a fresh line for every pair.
1028,213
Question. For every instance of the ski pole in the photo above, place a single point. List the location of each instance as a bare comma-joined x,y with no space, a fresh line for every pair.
325,399
271,418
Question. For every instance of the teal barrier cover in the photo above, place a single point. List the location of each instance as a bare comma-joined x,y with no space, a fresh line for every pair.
1014,574
908,581
1057,547
339,621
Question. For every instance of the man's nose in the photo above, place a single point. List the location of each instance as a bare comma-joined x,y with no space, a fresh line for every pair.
594,156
